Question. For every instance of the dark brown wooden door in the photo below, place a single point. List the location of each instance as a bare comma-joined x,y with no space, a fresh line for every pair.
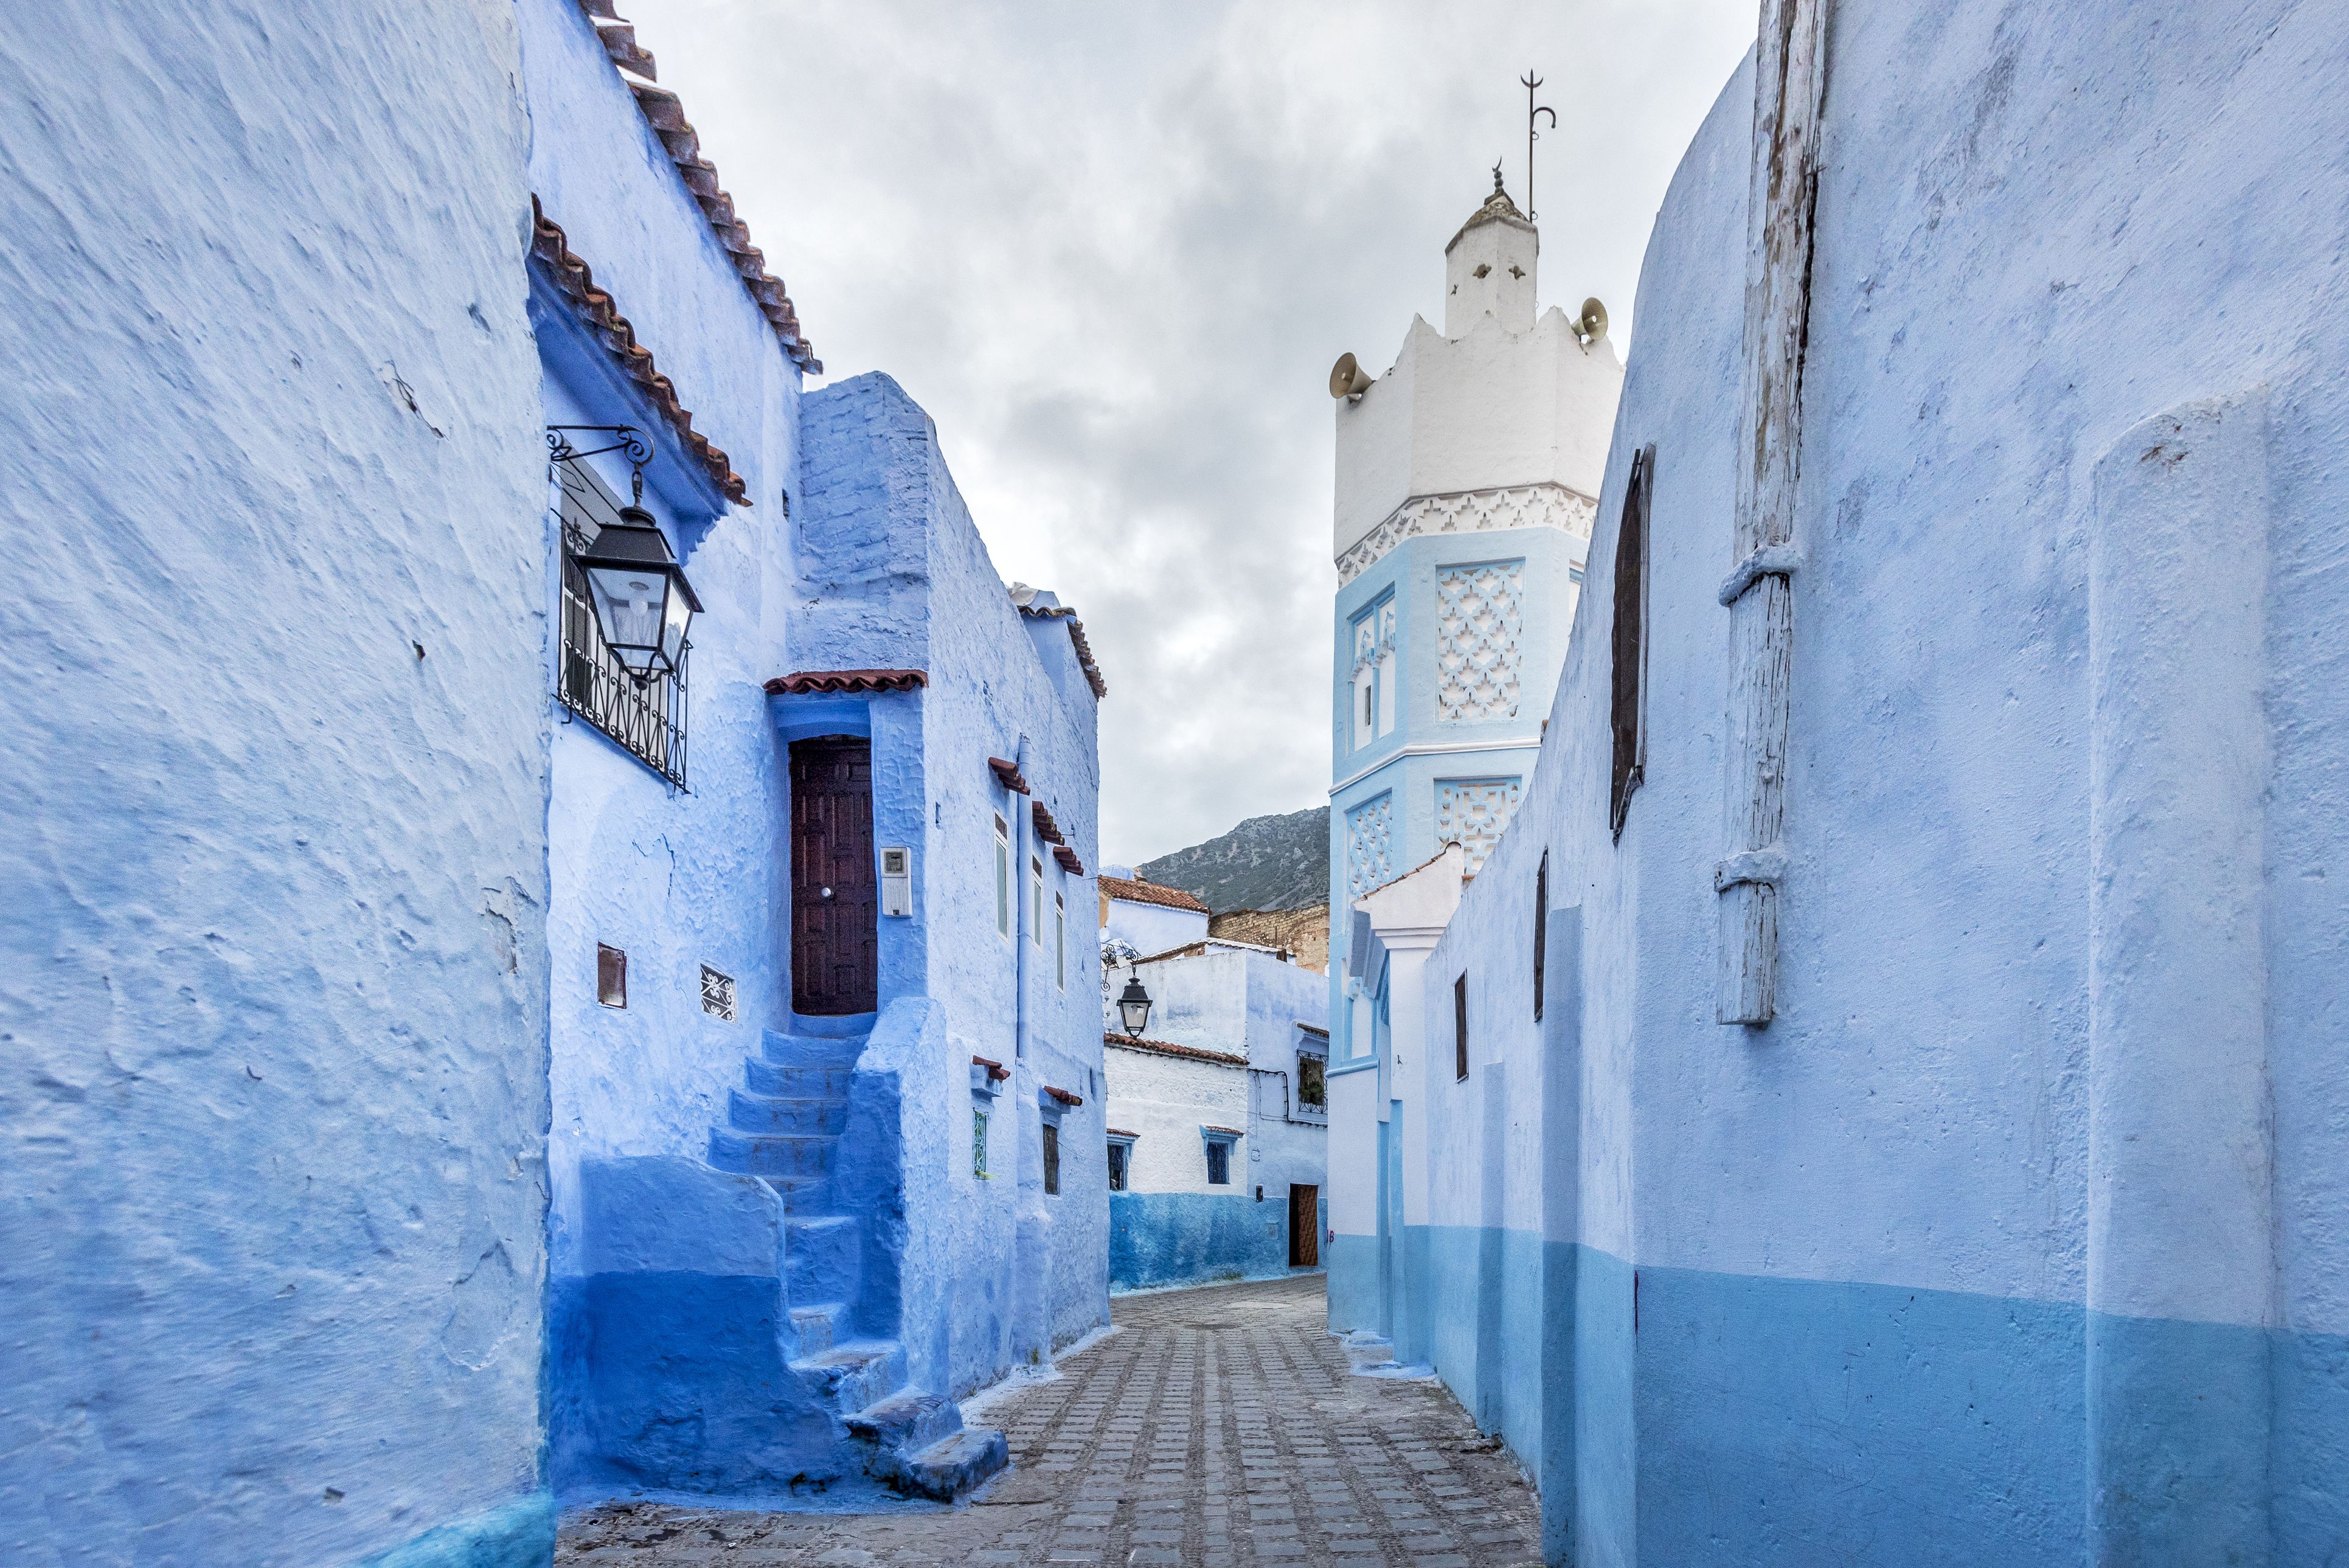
1304,1227
835,895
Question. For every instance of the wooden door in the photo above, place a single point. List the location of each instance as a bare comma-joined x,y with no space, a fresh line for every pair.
835,894
1304,1227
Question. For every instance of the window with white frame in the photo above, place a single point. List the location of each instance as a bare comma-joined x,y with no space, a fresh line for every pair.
1060,940
1035,900
1219,1142
1002,877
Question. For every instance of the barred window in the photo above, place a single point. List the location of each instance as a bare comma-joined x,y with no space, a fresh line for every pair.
645,717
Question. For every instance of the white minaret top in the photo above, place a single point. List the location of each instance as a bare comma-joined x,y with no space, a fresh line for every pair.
1488,267
1500,399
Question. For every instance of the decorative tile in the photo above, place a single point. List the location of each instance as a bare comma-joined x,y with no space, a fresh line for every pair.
1369,844
1480,614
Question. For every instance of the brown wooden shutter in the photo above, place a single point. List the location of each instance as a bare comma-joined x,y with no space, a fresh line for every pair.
1460,1027
1627,713
1541,930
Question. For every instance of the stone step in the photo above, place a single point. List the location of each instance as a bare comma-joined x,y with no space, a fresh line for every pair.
815,1327
856,1375
844,1026
773,1114
810,1050
764,1077
952,1467
755,1154
905,1423
823,1258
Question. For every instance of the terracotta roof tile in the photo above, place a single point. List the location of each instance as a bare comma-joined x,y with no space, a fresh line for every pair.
1069,861
1150,893
1169,1049
1046,829
1076,637
995,1070
1007,775
1121,1133
571,276
1227,1131
1064,1095
805,681
665,115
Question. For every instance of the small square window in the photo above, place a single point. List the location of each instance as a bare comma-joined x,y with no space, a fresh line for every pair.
1051,1160
611,976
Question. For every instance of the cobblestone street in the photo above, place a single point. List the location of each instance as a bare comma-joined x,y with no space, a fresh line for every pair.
1218,1426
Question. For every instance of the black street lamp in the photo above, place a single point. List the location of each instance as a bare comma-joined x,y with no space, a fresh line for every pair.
643,602
1133,1007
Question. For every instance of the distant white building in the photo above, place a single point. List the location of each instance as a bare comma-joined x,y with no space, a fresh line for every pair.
1141,918
1217,1116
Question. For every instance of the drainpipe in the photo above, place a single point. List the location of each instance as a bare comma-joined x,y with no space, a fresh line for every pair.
1031,1252
1023,846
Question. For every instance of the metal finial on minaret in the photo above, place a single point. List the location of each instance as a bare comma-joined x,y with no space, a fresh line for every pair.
1496,177
1533,112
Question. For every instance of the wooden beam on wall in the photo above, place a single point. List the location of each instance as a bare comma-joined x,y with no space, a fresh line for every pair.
1789,86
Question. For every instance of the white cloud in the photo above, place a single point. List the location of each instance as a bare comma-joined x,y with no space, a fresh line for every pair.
1113,250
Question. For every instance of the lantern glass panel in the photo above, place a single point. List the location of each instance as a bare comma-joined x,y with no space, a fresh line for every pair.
633,603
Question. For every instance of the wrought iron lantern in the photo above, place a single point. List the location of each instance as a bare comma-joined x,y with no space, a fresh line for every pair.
1133,1007
643,602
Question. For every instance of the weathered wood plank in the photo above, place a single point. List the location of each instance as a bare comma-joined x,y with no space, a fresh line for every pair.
1789,88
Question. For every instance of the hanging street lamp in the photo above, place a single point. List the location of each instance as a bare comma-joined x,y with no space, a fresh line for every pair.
643,602
1133,1007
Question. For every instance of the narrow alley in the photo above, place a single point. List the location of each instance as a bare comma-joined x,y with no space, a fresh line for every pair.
1215,1425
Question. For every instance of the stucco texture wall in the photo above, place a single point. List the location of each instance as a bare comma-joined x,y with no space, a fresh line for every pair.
1849,1264
274,983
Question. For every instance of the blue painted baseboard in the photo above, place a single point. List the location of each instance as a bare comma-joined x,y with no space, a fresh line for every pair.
675,1381
1680,1416
1159,1239
519,1535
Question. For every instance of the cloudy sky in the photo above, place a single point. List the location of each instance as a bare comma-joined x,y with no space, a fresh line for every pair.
1113,249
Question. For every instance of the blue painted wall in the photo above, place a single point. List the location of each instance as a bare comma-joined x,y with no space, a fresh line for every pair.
1161,1239
1975,1253
273,981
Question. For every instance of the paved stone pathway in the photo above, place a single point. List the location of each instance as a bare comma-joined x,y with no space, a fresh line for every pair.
1218,1427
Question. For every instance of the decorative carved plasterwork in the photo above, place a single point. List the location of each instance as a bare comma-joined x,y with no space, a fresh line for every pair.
1480,618
1369,844
1473,813
1472,511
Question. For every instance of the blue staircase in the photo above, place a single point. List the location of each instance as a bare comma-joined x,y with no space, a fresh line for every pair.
784,1126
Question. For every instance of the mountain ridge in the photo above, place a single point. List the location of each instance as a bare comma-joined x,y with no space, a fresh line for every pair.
1278,862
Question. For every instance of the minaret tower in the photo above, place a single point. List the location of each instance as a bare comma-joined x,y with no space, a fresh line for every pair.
1467,479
